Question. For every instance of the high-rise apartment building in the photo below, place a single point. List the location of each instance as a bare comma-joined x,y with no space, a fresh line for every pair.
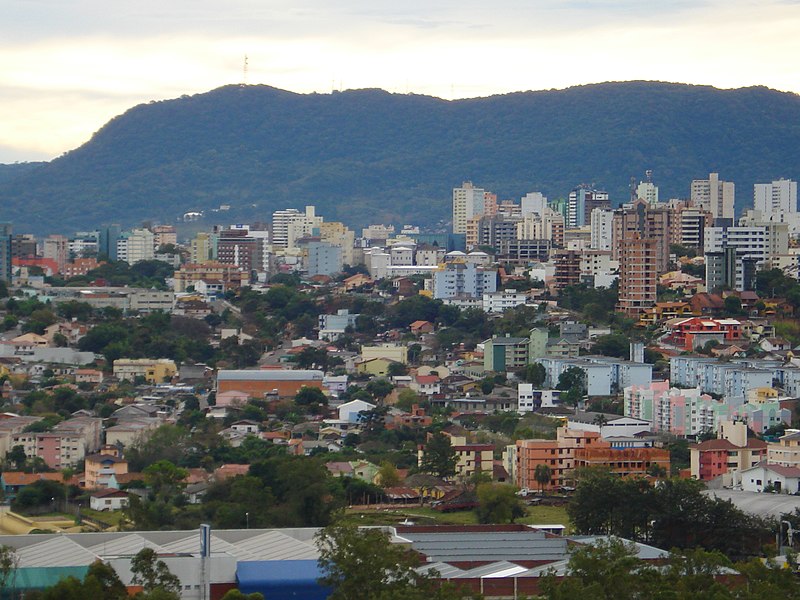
649,222
735,254
23,245
638,273
714,195
164,235
203,248
776,197
581,202
533,202
280,225
549,225
56,248
107,241
468,202
5,252
460,278
135,246
602,225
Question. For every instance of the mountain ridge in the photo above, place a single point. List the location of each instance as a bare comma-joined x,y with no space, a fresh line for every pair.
371,155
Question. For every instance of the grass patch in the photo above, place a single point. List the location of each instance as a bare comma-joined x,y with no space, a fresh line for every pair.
112,517
542,515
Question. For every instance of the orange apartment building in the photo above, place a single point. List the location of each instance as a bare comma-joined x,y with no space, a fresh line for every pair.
623,461
558,454
638,274
645,222
573,449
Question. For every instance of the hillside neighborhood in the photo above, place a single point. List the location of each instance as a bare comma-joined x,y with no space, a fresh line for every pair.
508,384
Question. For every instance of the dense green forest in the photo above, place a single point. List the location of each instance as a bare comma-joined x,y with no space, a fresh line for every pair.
367,155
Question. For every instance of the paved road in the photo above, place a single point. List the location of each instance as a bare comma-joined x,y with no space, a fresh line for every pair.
765,505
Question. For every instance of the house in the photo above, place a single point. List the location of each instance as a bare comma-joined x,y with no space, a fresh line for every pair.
99,468
155,370
426,384
340,468
775,344
704,303
782,479
230,470
728,455
356,281
13,481
245,426
195,492
351,411
93,376
421,327
108,499
231,398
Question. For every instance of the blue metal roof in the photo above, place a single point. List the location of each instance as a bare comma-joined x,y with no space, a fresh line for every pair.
296,579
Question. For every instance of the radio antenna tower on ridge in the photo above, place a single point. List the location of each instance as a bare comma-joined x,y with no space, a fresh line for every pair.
244,69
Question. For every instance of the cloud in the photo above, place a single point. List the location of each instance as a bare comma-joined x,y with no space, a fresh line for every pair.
68,67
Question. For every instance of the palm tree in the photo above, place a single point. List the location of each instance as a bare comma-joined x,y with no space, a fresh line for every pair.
542,476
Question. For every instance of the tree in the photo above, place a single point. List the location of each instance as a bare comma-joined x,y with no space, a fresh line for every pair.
535,374
308,396
153,574
17,456
387,475
498,503
365,565
542,475
164,478
439,457
396,369
615,344
9,562
379,388
237,595
573,382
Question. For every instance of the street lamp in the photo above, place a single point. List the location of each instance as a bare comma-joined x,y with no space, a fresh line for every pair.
247,519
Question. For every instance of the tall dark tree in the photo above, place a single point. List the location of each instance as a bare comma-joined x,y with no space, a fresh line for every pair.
439,457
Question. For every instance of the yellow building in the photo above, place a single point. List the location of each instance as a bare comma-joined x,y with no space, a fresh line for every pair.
378,367
786,451
390,351
153,370
761,395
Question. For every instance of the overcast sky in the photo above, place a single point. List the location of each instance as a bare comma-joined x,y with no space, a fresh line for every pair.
68,66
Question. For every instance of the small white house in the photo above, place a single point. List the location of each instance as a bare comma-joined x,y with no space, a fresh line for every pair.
108,499
245,426
349,411
784,480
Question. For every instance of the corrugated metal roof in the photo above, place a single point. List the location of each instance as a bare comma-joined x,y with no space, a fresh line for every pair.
507,545
501,568
57,551
123,546
270,375
274,545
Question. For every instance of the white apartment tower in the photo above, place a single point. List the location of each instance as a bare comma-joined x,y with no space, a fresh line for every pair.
777,197
602,227
135,246
533,202
468,202
714,195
